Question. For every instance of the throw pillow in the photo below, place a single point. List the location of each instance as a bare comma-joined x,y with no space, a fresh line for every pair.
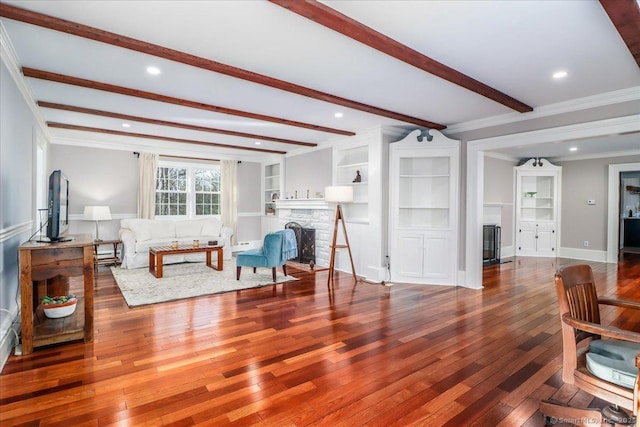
141,229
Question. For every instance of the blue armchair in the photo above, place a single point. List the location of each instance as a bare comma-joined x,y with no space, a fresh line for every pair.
276,249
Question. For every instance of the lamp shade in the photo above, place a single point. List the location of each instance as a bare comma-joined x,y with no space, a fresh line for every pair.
97,213
339,194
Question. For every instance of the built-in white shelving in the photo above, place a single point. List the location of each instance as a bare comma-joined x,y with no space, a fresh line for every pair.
423,178
352,169
537,201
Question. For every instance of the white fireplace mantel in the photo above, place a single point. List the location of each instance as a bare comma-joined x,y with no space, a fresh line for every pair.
315,204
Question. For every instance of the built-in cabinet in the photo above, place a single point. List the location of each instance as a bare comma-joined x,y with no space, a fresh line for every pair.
423,203
351,166
272,187
537,214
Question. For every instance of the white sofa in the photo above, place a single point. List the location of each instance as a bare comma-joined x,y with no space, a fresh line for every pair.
138,235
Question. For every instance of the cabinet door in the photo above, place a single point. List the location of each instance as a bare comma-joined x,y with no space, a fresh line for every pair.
410,250
437,256
546,241
526,238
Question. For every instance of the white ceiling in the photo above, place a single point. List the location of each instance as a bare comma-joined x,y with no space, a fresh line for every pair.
512,46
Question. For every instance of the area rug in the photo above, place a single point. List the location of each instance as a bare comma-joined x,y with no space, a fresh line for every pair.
179,281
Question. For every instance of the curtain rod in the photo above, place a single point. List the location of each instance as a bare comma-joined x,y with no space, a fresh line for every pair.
137,154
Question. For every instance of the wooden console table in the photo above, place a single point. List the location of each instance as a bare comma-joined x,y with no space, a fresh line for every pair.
42,261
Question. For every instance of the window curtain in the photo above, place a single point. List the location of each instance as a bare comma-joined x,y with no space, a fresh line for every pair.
229,184
147,170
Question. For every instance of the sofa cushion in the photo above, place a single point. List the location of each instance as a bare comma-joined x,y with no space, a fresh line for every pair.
163,229
212,227
188,228
141,228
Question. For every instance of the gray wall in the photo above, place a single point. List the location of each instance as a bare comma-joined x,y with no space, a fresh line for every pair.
98,177
110,177
583,180
310,171
18,130
249,203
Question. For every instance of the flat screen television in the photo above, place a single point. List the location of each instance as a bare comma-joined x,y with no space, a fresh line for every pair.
58,207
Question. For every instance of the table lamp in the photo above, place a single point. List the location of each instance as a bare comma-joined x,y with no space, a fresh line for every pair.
97,213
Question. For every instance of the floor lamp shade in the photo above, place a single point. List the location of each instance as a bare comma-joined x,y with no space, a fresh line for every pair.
97,213
339,194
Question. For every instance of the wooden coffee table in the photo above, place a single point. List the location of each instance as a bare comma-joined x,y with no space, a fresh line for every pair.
156,254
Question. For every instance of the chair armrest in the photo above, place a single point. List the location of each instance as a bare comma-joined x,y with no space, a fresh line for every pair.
128,238
619,303
605,331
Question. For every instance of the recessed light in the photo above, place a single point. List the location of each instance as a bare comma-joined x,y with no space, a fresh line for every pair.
338,115
258,142
154,71
573,149
560,74
126,125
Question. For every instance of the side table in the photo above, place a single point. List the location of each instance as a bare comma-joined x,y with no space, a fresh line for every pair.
108,260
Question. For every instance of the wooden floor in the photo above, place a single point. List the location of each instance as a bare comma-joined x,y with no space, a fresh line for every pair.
296,355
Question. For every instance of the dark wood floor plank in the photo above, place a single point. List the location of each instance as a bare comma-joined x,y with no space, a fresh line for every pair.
297,354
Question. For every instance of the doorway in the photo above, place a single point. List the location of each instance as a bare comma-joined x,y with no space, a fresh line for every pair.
629,225
616,207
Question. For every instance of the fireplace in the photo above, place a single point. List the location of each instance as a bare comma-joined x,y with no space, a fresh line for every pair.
306,240
490,244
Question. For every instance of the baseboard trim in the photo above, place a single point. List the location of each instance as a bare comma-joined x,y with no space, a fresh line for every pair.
8,339
507,251
245,246
583,254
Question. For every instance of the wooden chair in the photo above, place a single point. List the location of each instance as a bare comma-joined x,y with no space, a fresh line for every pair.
581,328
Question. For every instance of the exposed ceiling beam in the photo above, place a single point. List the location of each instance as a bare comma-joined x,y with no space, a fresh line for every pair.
625,15
351,28
56,106
74,28
160,138
91,84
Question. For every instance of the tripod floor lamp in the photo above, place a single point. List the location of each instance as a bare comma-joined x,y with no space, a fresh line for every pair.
339,195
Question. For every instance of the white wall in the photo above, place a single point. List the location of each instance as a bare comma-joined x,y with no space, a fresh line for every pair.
18,134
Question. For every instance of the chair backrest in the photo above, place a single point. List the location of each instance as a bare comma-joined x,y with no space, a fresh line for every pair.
272,249
577,293
577,298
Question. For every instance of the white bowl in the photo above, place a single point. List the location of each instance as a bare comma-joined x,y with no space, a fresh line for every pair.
56,311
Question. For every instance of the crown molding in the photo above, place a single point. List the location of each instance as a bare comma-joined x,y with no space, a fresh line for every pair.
501,156
139,144
10,59
606,155
594,101
616,125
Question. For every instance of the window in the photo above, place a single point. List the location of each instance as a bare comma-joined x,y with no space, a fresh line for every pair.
207,191
187,190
